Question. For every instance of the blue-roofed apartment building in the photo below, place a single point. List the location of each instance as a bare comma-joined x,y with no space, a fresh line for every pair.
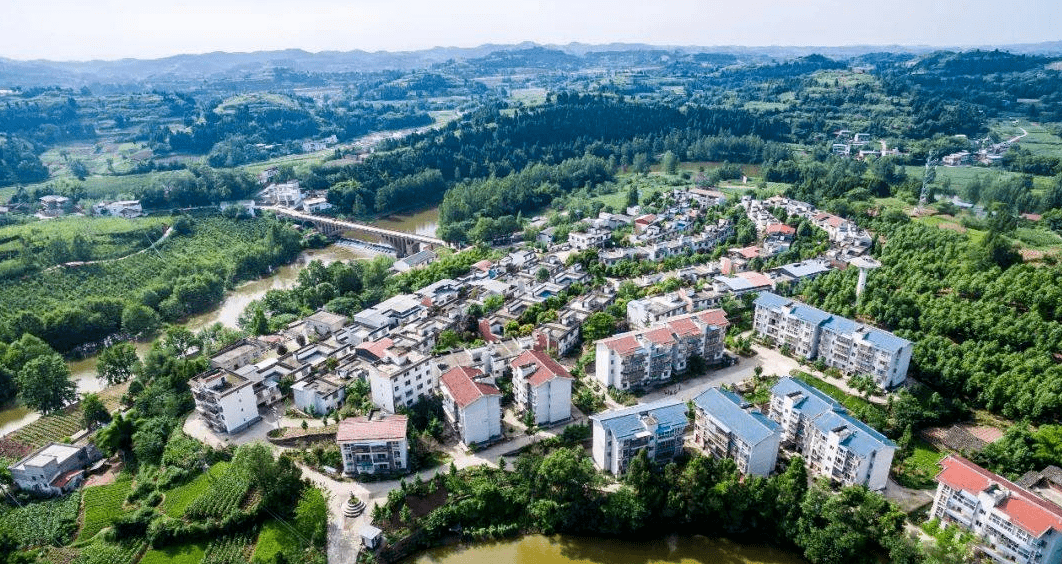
834,444
853,348
620,435
727,426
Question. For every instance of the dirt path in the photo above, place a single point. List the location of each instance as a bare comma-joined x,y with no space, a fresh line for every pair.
74,264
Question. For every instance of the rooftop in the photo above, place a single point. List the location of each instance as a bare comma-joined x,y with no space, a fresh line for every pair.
466,391
387,427
1026,509
546,368
730,409
668,413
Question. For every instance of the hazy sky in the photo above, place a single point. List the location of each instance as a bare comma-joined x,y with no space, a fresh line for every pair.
110,29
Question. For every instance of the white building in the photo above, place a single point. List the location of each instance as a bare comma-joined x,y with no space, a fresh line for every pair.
834,444
640,359
123,208
619,435
374,444
726,426
542,387
473,408
398,377
653,310
851,347
318,395
1014,525
589,239
417,259
226,401
54,468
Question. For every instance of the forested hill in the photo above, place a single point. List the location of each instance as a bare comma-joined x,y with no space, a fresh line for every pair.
496,142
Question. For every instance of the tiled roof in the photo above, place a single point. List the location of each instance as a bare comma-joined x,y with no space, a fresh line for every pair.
669,414
715,317
756,278
465,391
622,346
546,368
780,228
727,407
749,252
660,336
1033,513
684,327
378,348
389,427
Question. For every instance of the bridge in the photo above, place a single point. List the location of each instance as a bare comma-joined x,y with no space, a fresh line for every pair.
403,243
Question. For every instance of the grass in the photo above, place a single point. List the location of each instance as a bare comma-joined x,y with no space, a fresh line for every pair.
854,404
918,469
181,554
49,429
178,499
274,539
102,552
1038,239
101,505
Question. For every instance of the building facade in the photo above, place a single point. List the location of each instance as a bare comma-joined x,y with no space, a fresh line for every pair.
374,444
54,468
473,408
398,376
853,348
726,426
225,401
657,428
541,387
1013,523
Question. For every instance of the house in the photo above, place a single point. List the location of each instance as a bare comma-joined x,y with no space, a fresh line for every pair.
620,435
124,208
54,206
318,395
54,468
547,236
647,358
780,231
642,222
325,323
374,444
706,198
743,283
316,205
288,194
590,239
841,343
541,387
472,408
957,159
240,353
415,260
225,401
834,444
653,310
398,376
804,270
726,426
1012,523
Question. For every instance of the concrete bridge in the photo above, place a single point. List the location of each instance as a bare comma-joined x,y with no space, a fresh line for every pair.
403,243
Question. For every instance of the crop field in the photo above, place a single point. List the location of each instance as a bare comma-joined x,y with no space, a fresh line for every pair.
102,552
104,237
274,539
224,496
178,499
50,522
180,554
230,549
101,505
112,187
49,429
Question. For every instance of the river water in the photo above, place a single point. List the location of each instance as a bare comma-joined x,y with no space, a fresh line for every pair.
83,372
423,222
538,549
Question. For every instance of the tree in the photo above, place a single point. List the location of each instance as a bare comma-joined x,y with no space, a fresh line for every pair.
598,326
311,515
259,324
632,196
669,162
44,384
117,363
118,436
139,320
93,412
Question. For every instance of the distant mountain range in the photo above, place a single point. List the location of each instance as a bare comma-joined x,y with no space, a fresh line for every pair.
185,68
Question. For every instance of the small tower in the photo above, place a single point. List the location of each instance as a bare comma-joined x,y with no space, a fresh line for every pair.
863,264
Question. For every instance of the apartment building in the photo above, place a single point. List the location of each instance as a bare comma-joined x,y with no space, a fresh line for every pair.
834,444
398,376
542,387
374,444
619,435
839,342
640,359
1014,524
472,407
318,395
225,401
726,426
652,310
591,238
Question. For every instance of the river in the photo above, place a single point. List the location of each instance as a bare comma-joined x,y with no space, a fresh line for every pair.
538,549
423,222
83,372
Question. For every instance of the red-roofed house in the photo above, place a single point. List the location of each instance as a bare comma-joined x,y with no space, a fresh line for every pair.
473,408
542,387
641,222
374,444
781,231
1014,524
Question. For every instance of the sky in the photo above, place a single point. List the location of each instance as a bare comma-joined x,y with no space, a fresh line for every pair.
113,29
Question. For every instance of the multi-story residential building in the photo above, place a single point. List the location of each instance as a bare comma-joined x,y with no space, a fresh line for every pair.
656,428
726,426
592,238
834,444
318,395
640,359
561,335
226,401
1014,525
541,387
398,376
54,468
473,408
240,353
839,342
374,444
652,310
